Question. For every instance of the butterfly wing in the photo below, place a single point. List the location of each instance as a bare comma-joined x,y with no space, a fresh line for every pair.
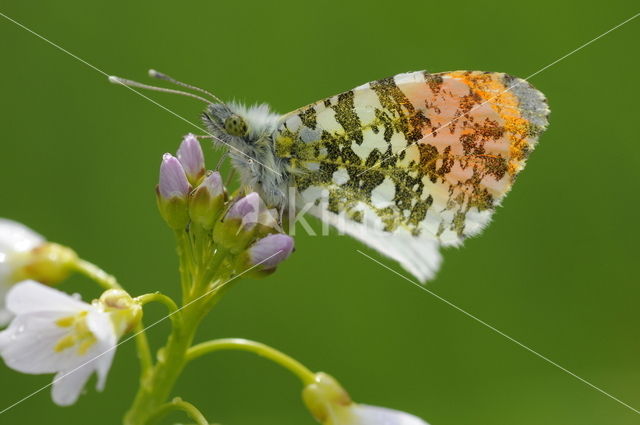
413,161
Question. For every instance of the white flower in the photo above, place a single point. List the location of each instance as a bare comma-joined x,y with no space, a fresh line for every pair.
361,414
53,332
331,405
16,241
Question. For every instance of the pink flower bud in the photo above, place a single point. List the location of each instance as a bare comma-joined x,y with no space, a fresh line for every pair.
213,184
173,180
206,202
172,193
271,250
252,210
192,159
246,208
247,219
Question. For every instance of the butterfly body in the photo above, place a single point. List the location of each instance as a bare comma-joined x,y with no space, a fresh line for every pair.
405,164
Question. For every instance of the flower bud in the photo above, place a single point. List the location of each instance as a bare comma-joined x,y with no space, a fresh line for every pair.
173,180
207,200
330,404
192,159
255,215
246,209
266,253
48,263
325,398
124,311
172,192
247,219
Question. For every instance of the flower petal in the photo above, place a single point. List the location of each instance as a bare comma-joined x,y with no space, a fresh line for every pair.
67,385
16,237
173,180
246,208
373,415
5,315
102,327
271,250
6,269
29,296
28,344
191,157
213,184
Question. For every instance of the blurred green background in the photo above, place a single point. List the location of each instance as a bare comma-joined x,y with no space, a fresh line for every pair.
556,270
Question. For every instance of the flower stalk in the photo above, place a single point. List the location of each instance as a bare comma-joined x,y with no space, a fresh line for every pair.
302,372
96,274
160,298
178,404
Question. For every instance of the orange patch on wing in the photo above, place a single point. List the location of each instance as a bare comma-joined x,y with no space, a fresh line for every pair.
506,104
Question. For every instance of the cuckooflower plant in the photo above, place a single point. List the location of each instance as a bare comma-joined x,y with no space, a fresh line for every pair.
220,237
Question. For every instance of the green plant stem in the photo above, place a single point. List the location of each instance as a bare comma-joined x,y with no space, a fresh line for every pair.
156,387
306,376
143,349
184,255
142,343
178,404
158,297
213,267
96,274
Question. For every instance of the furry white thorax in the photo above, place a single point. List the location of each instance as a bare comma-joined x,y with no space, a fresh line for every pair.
252,155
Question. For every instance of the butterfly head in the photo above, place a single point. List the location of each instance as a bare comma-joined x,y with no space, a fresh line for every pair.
225,122
240,126
247,135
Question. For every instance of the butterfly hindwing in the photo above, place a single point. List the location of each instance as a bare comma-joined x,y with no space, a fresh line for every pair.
426,156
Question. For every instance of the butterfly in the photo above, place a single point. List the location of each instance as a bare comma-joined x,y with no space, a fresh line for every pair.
405,164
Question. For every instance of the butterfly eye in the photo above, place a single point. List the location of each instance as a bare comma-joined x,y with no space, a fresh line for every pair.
235,126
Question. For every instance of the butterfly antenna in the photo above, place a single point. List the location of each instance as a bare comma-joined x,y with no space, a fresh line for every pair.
131,83
221,160
155,74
